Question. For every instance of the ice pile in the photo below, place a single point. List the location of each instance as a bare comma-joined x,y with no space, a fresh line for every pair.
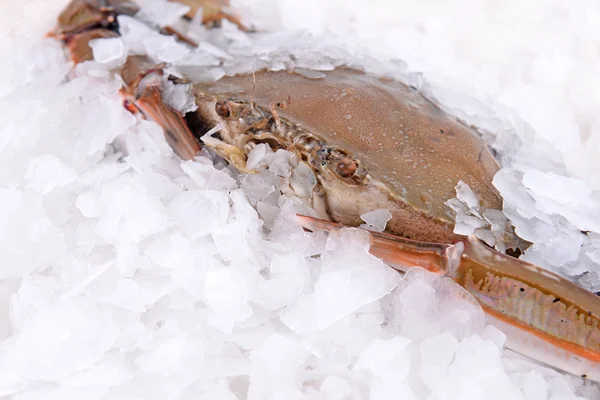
128,274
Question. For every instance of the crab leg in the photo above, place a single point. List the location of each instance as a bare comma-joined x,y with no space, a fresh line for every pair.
545,316
398,252
84,20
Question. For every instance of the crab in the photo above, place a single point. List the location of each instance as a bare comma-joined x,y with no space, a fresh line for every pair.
364,143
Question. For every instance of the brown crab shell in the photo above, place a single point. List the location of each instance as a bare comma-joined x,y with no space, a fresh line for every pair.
414,153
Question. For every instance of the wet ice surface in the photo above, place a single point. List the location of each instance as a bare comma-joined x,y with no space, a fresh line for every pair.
128,274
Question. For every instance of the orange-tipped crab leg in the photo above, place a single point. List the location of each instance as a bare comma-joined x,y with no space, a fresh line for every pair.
143,89
544,316
397,252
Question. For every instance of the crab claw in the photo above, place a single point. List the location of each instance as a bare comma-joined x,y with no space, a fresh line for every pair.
397,252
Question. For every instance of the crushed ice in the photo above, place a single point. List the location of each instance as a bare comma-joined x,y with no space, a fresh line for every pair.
128,274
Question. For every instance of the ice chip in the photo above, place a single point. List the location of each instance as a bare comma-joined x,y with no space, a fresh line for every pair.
111,370
494,335
268,213
384,389
76,332
159,185
231,241
108,50
301,316
214,50
165,48
162,13
276,364
179,97
438,350
288,275
377,219
282,163
48,172
350,277
198,212
258,186
28,240
171,355
428,304
465,194
257,155
226,293
535,386
558,188
303,181
386,358
336,388
89,204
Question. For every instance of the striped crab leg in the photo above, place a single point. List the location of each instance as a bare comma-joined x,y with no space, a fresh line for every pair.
544,316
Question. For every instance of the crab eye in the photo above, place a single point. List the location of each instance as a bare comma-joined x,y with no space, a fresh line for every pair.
223,109
345,167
